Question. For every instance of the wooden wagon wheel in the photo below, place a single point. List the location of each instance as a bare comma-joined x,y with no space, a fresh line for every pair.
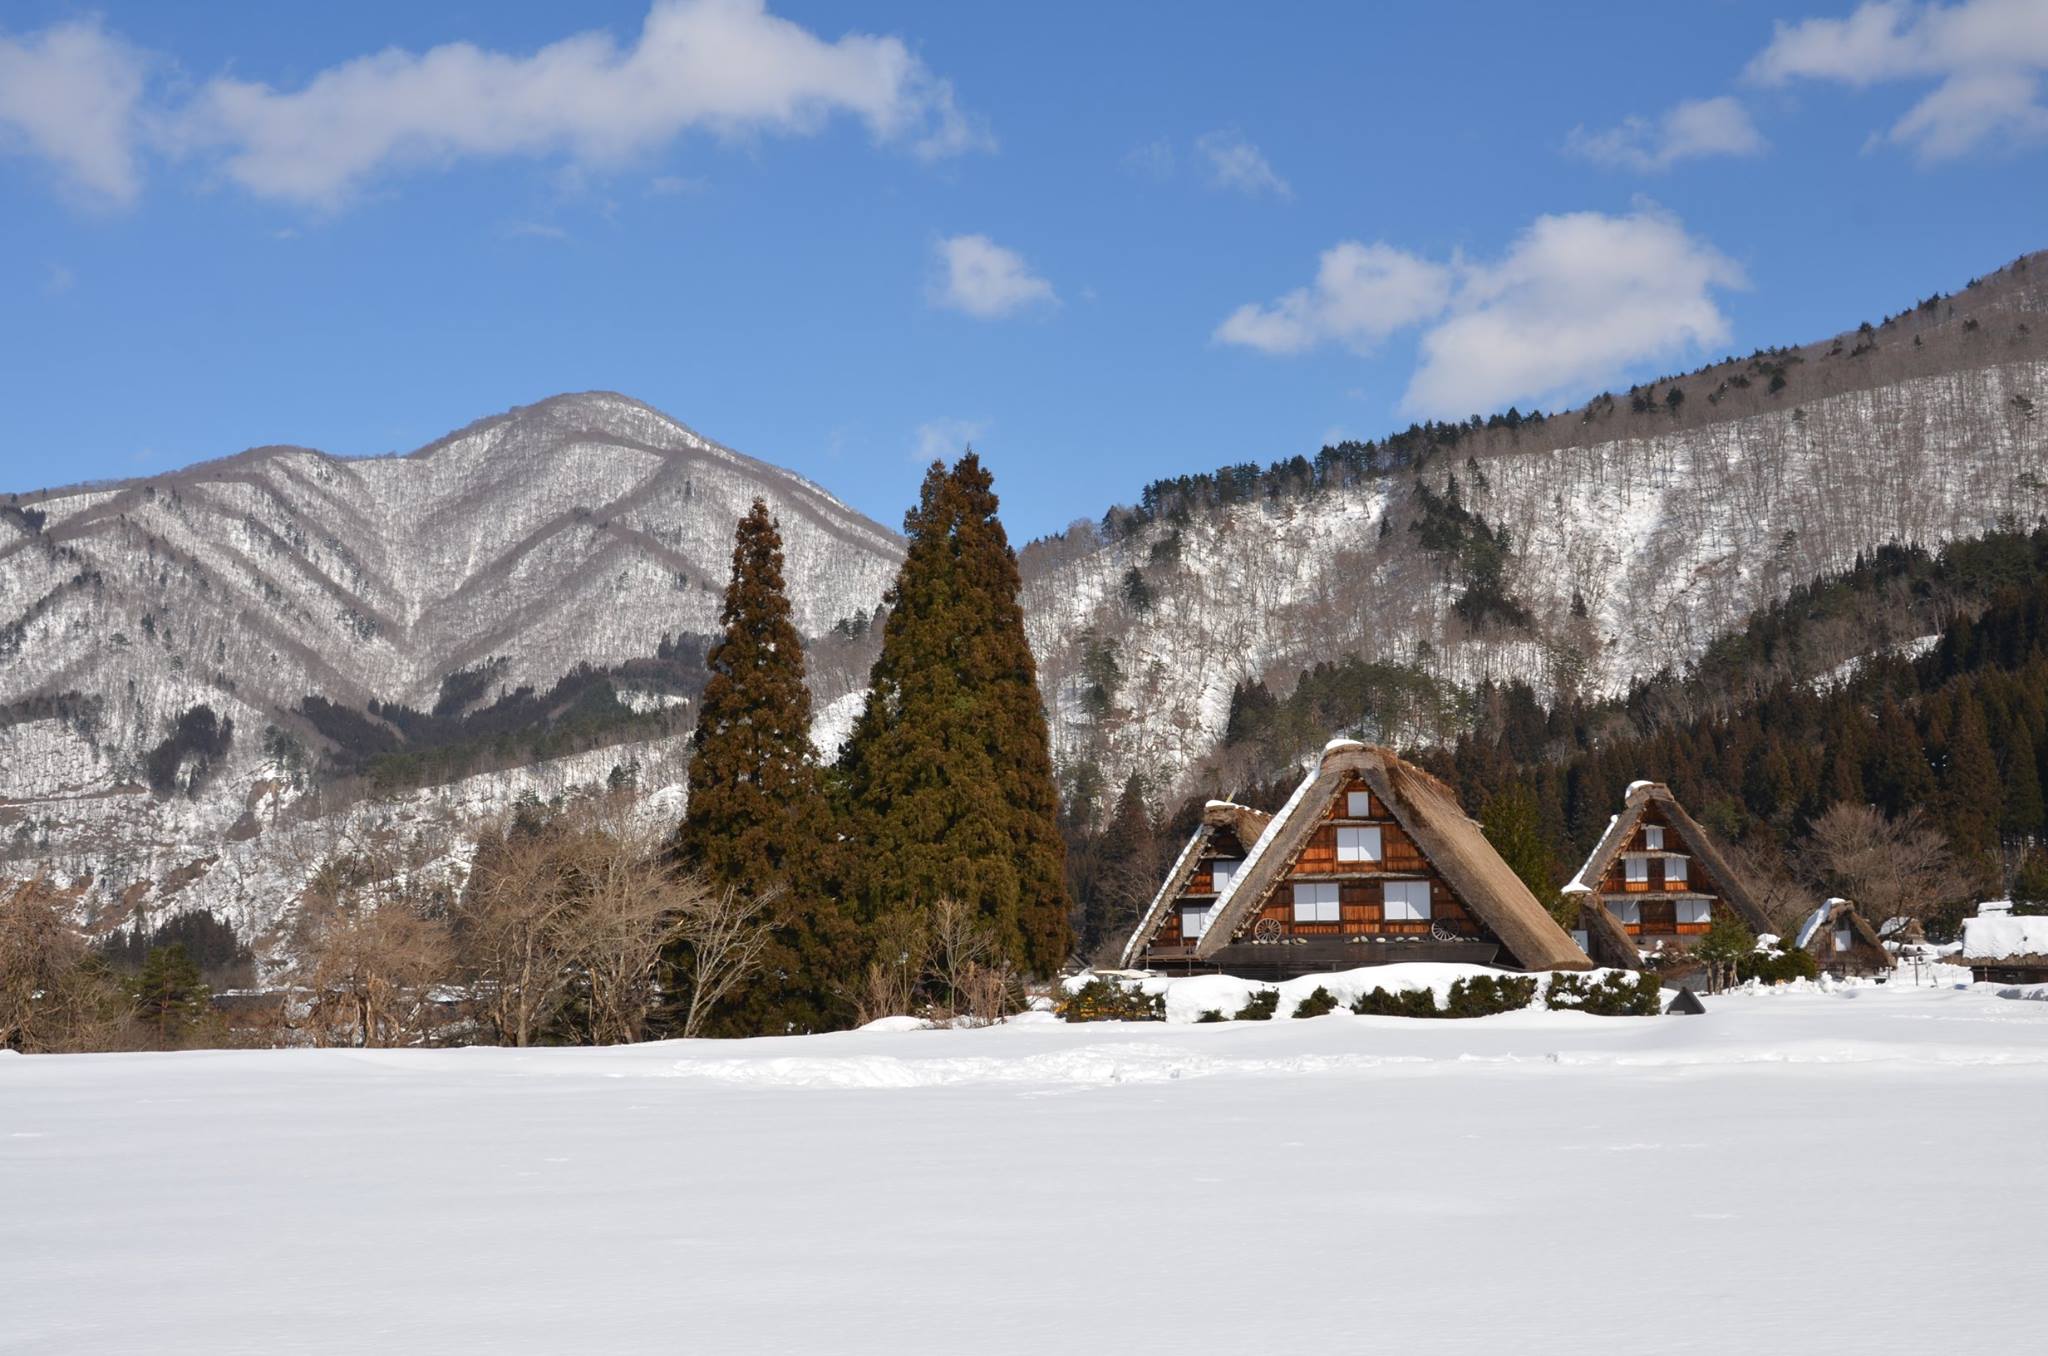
1443,932
1266,930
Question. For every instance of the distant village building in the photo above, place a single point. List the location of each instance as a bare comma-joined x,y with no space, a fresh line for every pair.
2004,948
1656,882
1370,861
1181,910
1842,942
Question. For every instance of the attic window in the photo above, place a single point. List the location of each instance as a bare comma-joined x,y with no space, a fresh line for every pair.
1357,805
1653,837
1194,921
1843,939
1317,903
1222,871
1674,870
1358,845
1407,901
1695,910
1637,870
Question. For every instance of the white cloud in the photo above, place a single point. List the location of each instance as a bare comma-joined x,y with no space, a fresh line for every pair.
723,66
945,439
69,95
1236,163
1685,131
981,278
1986,58
1573,304
1362,293
1577,301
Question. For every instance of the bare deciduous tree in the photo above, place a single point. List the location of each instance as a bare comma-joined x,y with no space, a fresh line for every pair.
53,995
515,931
966,965
723,933
367,953
1892,868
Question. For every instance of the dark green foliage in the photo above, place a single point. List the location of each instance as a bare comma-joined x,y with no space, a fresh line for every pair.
1513,824
1616,994
1400,1003
199,739
1779,966
948,773
1376,700
758,818
1124,871
1726,940
1259,1006
1476,552
2030,884
1210,1015
169,995
1103,999
1317,1003
1137,593
223,961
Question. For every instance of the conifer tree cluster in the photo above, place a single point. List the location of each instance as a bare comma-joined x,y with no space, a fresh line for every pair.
945,789
949,777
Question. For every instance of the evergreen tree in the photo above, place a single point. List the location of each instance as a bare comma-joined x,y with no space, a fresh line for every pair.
758,818
169,995
2024,810
1127,871
1513,823
949,769
1972,796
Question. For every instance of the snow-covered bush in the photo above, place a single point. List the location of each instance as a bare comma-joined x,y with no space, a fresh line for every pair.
1477,996
1104,999
1617,994
1317,1003
1259,1006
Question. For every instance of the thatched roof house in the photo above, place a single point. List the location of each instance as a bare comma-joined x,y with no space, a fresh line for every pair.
1174,921
2002,948
1655,881
1842,941
1371,860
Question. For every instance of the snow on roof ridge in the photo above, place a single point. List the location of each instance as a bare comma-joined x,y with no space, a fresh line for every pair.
1814,921
1577,885
1272,830
1634,787
1223,805
1338,745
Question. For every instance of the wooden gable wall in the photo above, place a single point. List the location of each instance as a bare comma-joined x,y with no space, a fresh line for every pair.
1653,899
1222,844
1361,885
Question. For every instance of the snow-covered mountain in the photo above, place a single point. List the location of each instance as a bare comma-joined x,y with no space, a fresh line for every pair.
583,528
1641,528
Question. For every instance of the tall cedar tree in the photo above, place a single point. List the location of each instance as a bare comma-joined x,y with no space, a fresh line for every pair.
757,816
949,769
1127,872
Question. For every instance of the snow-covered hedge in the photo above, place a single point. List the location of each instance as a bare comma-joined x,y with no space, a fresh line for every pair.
1211,998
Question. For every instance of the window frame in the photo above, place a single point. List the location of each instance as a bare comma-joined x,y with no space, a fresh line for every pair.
1316,902
1676,871
1635,869
1653,837
1358,833
1234,863
1205,912
1705,908
1357,805
1407,888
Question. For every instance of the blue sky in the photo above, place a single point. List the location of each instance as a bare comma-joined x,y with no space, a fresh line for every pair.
1106,243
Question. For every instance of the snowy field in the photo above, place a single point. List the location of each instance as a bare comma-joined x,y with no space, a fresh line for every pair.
1857,1171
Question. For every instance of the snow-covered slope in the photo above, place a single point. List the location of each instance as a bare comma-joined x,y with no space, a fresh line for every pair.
1670,531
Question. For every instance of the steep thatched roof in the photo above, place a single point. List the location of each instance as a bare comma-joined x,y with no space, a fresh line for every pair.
1427,810
1607,941
1728,882
1838,913
1241,820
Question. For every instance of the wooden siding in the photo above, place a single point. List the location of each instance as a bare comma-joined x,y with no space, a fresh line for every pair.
1360,885
1222,845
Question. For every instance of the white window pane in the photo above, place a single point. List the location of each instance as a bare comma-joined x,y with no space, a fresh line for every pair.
1638,868
1358,845
1627,911
1843,941
1194,921
1653,837
1221,870
1674,869
1357,805
1407,901
1692,910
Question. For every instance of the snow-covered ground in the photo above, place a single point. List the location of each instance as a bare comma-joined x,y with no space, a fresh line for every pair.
1854,1170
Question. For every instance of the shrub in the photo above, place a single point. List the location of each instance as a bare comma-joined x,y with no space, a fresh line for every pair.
1405,1003
1260,1006
1618,994
1210,1015
1103,999
1317,1003
1778,967
1485,995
